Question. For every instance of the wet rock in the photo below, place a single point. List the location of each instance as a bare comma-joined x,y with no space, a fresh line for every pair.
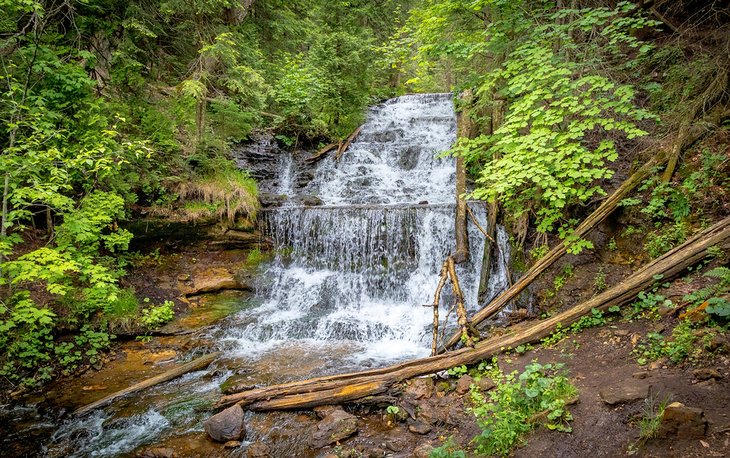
304,177
434,411
227,425
395,445
272,200
706,373
311,201
237,383
682,422
258,450
335,427
462,386
629,391
419,428
158,452
213,280
232,444
420,388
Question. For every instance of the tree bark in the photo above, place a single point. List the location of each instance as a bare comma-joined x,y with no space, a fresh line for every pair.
196,364
358,385
343,147
490,245
709,96
465,129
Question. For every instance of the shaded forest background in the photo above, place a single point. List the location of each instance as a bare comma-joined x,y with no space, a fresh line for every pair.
111,109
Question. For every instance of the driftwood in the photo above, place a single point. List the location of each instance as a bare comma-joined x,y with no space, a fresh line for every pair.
358,385
322,152
467,331
194,365
346,144
436,299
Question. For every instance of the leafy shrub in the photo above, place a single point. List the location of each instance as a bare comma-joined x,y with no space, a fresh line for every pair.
157,315
518,403
448,450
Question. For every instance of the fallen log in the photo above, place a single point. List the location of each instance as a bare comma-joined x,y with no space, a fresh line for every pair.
322,152
343,147
357,385
595,218
194,365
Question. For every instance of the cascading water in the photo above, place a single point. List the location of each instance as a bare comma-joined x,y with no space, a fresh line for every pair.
348,281
358,268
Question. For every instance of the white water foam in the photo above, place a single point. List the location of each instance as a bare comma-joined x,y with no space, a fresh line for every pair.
359,268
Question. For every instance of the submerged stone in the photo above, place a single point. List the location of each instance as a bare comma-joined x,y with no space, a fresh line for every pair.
227,425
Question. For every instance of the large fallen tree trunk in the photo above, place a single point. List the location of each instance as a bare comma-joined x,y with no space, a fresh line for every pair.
358,385
194,365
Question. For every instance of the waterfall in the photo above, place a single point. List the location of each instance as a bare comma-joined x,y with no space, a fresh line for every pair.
359,268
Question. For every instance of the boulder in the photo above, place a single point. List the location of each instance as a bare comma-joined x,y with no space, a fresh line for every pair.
419,428
157,452
335,427
682,422
272,200
485,384
227,425
628,391
323,411
423,450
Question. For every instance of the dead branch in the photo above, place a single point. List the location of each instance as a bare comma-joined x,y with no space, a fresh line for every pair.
194,365
343,147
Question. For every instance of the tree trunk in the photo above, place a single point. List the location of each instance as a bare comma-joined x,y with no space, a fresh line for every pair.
465,129
490,245
358,385
346,144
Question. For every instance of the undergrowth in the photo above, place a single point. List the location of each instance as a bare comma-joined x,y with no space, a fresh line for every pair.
519,403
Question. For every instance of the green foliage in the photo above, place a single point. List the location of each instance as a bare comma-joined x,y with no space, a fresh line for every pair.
682,344
546,156
651,417
155,316
647,305
448,450
715,294
458,371
510,411
599,283
595,319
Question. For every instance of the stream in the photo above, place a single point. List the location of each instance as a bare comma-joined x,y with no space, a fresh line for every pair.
344,289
